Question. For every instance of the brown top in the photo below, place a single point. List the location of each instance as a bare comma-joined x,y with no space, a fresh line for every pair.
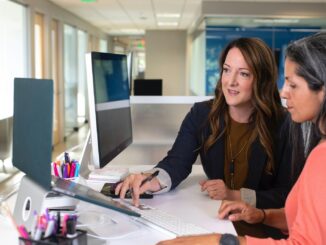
236,149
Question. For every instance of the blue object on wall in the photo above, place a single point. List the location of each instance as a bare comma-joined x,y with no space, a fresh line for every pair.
276,37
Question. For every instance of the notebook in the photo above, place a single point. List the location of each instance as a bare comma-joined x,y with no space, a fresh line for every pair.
32,143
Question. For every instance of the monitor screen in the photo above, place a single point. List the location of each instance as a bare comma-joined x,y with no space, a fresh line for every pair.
109,105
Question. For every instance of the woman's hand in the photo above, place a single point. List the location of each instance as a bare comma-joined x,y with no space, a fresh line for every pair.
217,190
235,211
132,183
198,240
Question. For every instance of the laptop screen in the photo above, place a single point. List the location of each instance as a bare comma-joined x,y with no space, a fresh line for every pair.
32,142
32,129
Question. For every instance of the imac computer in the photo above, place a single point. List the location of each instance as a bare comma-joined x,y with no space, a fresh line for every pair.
109,109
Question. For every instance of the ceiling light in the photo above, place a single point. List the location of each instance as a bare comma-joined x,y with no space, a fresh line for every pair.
168,15
126,32
279,21
167,23
286,21
88,1
263,20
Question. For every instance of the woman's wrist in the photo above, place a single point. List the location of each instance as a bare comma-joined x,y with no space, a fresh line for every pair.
233,195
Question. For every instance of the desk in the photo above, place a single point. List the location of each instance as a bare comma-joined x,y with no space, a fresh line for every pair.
186,202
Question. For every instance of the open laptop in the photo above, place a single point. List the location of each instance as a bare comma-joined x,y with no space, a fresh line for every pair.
32,149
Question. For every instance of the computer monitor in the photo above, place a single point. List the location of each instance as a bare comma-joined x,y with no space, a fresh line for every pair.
148,87
109,109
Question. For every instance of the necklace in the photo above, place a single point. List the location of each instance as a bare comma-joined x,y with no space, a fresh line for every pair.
233,157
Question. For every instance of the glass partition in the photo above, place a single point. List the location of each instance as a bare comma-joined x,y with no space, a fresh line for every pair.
13,63
70,78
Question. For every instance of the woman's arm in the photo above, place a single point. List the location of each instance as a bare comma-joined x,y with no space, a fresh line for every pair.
276,218
210,239
235,211
184,152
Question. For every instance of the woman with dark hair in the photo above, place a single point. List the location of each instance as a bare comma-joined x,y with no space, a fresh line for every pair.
304,215
240,135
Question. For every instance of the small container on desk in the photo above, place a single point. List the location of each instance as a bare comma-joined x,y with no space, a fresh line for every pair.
80,239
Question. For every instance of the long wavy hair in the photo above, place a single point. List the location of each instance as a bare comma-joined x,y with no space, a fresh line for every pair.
309,54
266,102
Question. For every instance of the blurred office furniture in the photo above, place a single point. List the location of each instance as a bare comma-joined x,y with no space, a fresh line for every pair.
5,141
155,124
148,87
9,175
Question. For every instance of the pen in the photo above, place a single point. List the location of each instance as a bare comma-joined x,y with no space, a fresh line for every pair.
71,227
67,158
149,178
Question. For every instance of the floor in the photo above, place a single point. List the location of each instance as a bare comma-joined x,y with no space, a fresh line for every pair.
10,177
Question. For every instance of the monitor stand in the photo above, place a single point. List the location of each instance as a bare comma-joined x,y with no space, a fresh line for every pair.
106,174
32,197
86,158
106,225
103,225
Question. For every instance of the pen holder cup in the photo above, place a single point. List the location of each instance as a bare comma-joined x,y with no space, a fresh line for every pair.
80,239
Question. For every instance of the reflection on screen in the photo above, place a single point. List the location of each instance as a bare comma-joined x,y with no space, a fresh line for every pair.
111,80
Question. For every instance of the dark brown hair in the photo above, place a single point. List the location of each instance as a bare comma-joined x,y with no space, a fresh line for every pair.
265,100
309,54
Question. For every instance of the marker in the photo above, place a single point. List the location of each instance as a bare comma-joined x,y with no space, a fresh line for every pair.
72,170
38,232
77,169
67,158
59,169
55,170
34,225
71,227
49,228
23,232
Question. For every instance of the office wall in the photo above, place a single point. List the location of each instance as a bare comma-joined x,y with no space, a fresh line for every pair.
166,59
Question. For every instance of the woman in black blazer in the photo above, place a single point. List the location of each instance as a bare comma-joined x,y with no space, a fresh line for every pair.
240,135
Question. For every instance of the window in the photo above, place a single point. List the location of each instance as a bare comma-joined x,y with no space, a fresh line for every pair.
13,50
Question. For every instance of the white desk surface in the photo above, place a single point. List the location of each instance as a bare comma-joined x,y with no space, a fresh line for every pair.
186,202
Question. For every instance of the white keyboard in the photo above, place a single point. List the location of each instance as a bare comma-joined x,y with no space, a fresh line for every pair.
168,223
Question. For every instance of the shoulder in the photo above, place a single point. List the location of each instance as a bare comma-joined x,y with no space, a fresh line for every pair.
317,158
198,114
202,107
314,171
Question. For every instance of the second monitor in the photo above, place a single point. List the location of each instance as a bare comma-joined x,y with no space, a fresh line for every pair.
109,108
148,87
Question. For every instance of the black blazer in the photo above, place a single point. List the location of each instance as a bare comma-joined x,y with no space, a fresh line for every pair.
271,189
